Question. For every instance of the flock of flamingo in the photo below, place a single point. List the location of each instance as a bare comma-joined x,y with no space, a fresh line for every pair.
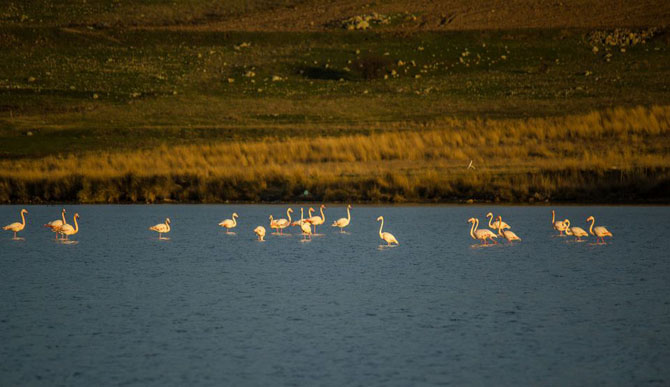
65,230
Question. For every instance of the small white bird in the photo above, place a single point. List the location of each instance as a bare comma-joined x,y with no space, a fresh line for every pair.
386,236
260,231
66,230
16,226
229,223
343,222
161,228
599,231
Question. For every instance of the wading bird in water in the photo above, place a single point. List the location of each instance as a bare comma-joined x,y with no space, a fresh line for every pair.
558,225
599,231
16,226
494,225
161,228
343,222
482,234
260,231
386,236
229,223
55,225
283,223
66,230
305,226
507,234
577,232
316,220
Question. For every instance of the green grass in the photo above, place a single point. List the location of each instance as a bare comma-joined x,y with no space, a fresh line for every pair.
74,91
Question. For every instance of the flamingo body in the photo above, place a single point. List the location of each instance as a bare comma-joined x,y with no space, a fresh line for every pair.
16,226
260,231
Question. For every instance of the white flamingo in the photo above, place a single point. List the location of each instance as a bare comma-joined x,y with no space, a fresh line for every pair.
386,236
229,223
495,224
305,226
509,235
317,220
66,230
161,228
55,225
343,222
16,226
599,231
557,224
577,232
260,231
283,223
273,224
481,234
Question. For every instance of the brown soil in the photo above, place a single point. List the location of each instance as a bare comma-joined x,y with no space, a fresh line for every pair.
311,15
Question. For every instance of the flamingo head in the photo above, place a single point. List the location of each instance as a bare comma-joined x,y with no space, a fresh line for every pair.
77,216
380,218
167,220
499,219
63,210
590,218
290,210
349,206
24,211
235,215
323,206
490,214
471,220
270,218
312,209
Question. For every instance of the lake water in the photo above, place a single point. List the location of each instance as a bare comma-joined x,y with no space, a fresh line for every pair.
121,307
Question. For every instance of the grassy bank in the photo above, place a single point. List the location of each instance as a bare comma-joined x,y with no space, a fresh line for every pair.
617,155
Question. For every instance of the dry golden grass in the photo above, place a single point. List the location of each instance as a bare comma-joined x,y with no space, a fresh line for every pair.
516,160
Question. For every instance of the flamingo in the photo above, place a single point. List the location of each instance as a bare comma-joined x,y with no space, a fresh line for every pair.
317,220
577,232
16,226
386,236
161,228
557,224
600,232
300,221
66,230
260,231
305,226
55,225
273,224
494,225
283,223
509,235
482,234
343,222
229,223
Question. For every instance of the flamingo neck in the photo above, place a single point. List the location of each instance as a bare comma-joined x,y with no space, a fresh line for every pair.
76,225
593,221
288,213
380,228
23,218
63,216
567,223
500,226
553,216
323,217
301,215
309,212
490,220
473,228
348,214
234,220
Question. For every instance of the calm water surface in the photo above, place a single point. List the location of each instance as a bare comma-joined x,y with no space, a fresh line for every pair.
121,307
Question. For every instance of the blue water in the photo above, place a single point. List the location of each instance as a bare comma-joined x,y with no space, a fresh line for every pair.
120,307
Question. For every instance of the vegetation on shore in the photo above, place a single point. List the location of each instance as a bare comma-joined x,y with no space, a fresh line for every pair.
145,109
611,156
